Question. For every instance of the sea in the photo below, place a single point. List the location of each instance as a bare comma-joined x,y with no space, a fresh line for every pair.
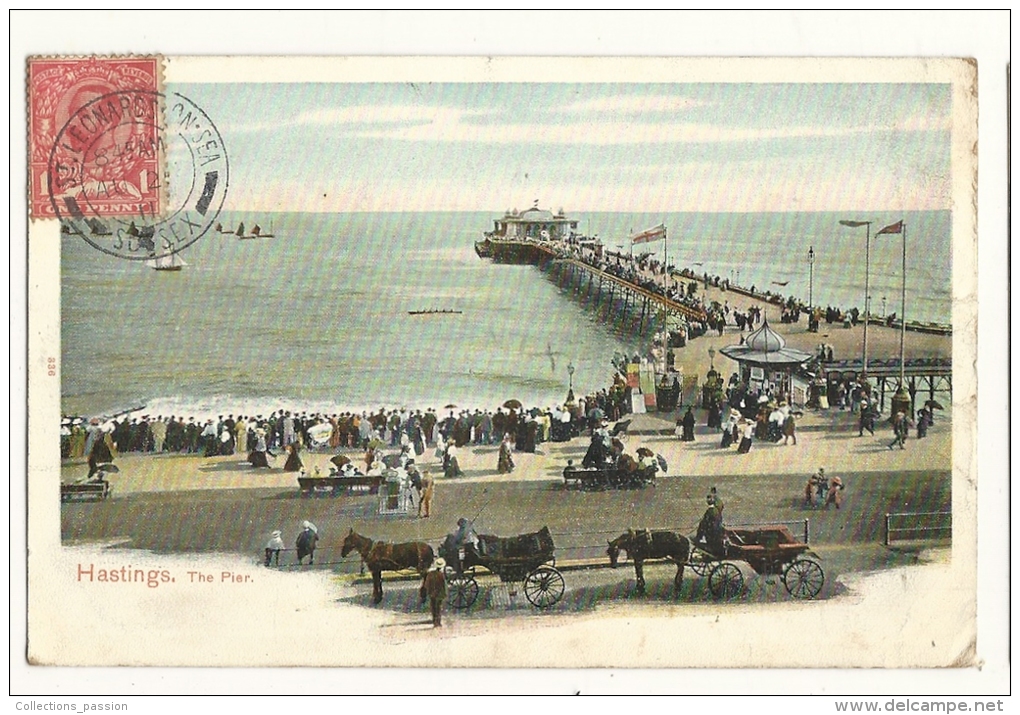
316,318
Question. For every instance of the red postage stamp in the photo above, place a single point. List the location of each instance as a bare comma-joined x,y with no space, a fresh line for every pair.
81,148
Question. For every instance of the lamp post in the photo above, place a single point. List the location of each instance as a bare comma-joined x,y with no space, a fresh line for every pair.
811,278
711,357
570,387
867,285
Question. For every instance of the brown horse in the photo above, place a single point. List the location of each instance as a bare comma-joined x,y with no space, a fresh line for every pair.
644,544
380,556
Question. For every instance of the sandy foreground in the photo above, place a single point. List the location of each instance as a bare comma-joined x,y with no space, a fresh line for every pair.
264,617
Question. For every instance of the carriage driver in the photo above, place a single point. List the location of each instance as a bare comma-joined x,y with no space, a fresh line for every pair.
710,528
465,537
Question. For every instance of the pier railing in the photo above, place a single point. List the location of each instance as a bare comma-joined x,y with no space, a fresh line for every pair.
918,526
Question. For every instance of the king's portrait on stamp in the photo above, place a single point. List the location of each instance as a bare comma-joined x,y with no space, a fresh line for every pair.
630,362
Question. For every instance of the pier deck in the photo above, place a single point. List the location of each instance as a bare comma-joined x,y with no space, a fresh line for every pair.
538,252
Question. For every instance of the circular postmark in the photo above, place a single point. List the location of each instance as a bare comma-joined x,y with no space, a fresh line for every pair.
138,174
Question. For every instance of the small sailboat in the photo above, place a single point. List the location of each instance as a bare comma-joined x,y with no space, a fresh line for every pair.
256,232
98,228
173,262
240,233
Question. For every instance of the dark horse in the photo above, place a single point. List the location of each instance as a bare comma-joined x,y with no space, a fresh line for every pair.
380,556
644,544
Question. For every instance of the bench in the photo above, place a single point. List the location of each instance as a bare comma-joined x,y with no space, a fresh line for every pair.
585,478
606,477
85,490
334,486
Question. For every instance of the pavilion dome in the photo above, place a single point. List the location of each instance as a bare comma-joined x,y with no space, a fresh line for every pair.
765,346
537,214
765,339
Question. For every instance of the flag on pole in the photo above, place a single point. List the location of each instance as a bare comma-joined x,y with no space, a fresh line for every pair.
853,224
656,233
892,228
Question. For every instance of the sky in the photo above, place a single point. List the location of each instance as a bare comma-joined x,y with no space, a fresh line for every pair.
585,147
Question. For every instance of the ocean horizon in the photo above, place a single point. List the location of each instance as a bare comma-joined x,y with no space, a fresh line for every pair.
316,318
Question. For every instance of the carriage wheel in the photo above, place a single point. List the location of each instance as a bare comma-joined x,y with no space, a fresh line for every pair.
726,581
544,586
803,578
462,590
698,567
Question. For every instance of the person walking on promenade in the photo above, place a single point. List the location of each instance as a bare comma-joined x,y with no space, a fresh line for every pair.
687,425
835,495
293,463
901,428
506,459
745,442
158,430
867,418
451,465
433,587
428,488
306,542
273,548
816,488
789,429
241,432
923,422
257,458
101,452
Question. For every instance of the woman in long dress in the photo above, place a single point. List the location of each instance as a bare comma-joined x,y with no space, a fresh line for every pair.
745,442
293,459
451,464
257,458
334,435
688,426
506,460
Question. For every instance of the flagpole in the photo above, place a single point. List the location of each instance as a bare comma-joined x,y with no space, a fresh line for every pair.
867,296
903,310
665,263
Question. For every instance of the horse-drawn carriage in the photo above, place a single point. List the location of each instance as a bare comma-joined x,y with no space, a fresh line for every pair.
768,550
528,559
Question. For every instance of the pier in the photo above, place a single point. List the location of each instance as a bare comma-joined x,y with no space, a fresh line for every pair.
927,370
619,295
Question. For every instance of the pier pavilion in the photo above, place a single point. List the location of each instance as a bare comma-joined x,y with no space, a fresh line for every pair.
765,359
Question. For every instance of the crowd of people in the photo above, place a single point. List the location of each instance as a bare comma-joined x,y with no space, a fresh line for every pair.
286,433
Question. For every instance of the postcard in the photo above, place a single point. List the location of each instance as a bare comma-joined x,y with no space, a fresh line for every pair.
502,362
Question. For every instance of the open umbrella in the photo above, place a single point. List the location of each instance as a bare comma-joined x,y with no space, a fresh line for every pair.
934,405
513,404
320,432
340,460
645,452
596,414
662,463
451,406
